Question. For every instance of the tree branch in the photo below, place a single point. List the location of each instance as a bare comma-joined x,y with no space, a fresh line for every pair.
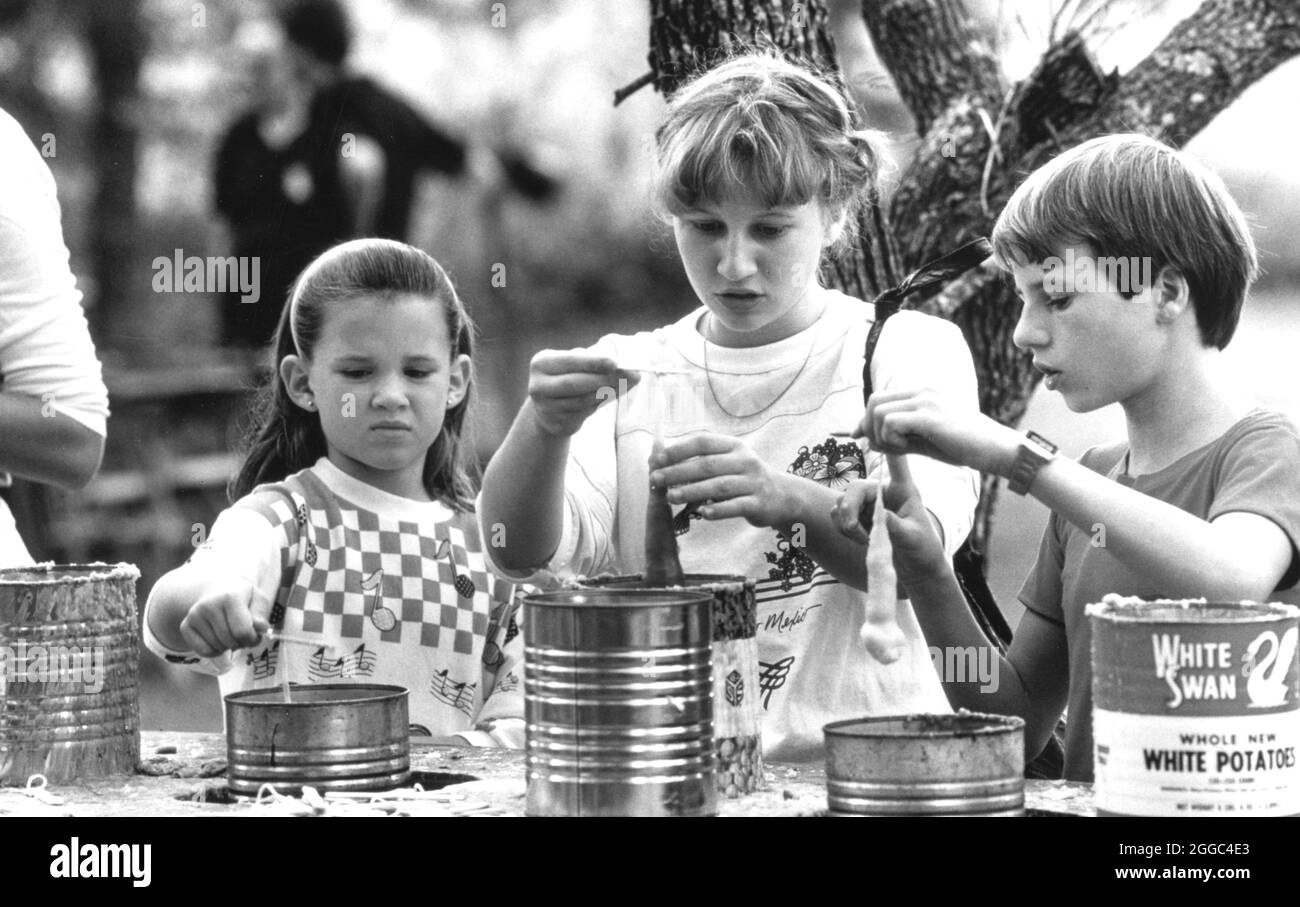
1200,68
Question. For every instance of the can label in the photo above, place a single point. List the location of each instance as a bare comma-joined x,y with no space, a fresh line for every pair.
1160,765
1196,718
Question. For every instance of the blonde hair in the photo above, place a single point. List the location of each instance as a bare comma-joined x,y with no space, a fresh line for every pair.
1130,196
763,126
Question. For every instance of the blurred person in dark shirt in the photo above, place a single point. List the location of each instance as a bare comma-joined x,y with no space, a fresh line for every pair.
321,156
388,140
281,193
325,155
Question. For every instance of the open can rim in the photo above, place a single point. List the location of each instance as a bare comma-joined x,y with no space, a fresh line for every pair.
1201,611
929,725
618,598
49,573
271,697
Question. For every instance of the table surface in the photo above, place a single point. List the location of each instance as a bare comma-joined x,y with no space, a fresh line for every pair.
190,775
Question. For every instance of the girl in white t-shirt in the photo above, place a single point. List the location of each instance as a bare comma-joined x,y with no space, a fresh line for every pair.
760,172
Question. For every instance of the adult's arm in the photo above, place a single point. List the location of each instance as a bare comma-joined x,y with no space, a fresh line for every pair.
53,403
41,444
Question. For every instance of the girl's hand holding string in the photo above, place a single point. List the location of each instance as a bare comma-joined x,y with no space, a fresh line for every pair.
565,387
223,620
725,472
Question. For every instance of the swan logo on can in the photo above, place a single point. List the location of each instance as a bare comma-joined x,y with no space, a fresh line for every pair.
1266,677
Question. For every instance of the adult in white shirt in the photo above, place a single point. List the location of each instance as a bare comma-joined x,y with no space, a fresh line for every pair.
53,403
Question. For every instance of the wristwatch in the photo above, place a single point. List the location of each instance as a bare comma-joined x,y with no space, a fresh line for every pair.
1034,453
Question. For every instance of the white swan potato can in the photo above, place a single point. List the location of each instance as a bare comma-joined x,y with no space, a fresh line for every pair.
1196,708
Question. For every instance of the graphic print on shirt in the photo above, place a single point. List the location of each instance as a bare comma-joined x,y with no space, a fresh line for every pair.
682,519
310,555
507,684
831,464
785,621
492,654
464,585
391,578
734,689
360,662
265,662
383,619
772,676
455,693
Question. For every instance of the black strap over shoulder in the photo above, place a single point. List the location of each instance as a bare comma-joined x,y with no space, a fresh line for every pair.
940,270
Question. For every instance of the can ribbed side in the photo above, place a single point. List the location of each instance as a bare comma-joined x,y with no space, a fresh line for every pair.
962,764
69,672
624,728
345,737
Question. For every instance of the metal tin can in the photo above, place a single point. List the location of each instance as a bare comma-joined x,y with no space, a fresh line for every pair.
333,736
69,672
737,718
618,698
964,764
1195,708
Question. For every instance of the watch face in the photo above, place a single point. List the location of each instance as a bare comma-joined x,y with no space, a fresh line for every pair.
1042,442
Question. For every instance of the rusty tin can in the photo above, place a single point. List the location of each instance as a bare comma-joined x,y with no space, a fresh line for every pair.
964,764
334,736
69,672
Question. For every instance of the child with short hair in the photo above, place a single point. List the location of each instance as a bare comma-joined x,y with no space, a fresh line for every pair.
1203,497
353,529
760,172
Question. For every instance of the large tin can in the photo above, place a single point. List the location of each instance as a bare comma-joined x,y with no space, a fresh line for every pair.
737,718
69,672
618,698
